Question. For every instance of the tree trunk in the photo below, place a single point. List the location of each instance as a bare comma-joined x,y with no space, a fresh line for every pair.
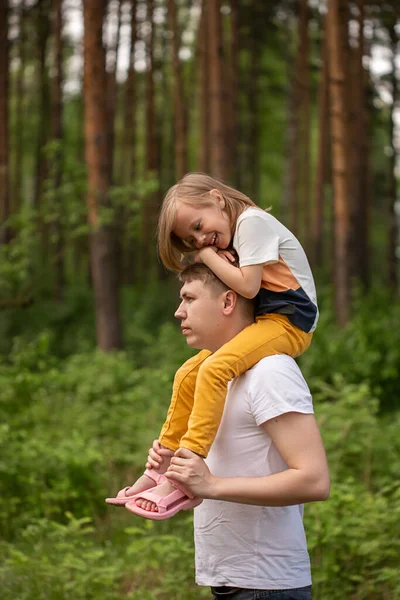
113,52
150,211
44,103
4,150
18,121
129,130
204,91
180,115
102,243
304,120
338,58
57,135
234,91
322,154
393,233
218,150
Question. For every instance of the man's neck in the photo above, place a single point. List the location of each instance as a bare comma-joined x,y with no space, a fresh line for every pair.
230,332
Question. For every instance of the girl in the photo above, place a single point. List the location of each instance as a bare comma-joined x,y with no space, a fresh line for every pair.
203,215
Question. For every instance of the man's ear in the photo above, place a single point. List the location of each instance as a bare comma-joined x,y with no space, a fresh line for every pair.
230,300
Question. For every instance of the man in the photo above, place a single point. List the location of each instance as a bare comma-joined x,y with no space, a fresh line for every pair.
266,461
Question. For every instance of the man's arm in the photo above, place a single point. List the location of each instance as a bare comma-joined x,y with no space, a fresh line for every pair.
297,439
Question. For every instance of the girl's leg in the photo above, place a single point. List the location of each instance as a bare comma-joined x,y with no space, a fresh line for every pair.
271,334
181,405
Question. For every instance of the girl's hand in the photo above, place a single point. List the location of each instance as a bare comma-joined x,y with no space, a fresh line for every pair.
191,470
229,255
156,455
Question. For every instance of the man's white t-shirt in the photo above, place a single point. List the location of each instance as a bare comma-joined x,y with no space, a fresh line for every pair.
240,545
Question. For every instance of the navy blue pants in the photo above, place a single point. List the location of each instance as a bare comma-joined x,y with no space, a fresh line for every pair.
232,593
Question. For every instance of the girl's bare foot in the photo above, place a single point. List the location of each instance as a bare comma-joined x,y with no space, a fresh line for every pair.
163,489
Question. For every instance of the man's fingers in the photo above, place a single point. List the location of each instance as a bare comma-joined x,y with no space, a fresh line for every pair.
184,453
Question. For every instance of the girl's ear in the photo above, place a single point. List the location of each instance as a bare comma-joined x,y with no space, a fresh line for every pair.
218,197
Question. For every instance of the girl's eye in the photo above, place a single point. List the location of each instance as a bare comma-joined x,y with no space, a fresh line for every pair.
198,227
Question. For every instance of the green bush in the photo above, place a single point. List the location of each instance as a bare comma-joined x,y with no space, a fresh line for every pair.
76,428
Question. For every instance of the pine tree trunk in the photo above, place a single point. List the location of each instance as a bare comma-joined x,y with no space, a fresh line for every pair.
17,172
129,130
322,154
234,91
102,243
4,150
393,233
113,51
204,91
304,120
180,115
338,58
57,136
218,150
150,211
127,245
44,105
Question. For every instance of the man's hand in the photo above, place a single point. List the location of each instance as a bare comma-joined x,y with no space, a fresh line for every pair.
190,469
156,455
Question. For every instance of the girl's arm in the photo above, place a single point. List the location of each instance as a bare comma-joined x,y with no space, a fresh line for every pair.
246,281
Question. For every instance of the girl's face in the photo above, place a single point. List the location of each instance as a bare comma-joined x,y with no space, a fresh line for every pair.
201,226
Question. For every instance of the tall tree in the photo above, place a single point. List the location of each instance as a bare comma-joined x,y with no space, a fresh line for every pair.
17,170
180,110
322,153
129,130
112,55
4,150
204,91
218,148
393,277
57,137
304,120
338,54
43,29
102,242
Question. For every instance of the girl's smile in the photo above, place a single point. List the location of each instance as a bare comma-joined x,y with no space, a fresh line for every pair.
201,226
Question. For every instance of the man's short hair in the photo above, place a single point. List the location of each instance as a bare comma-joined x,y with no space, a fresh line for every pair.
200,272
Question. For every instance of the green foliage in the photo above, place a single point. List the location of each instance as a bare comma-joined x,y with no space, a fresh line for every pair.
76,428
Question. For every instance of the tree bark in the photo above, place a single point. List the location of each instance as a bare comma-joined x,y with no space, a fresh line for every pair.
43,25
113,51
102,243
17,176
393,233
4,150
57,135
180,113
322,154
304,120
338,58
204,92
218,150
129,131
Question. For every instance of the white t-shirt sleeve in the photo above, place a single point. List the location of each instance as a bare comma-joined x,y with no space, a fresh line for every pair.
277,386
256,241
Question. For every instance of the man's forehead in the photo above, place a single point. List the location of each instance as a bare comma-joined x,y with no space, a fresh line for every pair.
196,286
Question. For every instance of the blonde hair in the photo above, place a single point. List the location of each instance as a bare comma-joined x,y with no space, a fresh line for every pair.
193,188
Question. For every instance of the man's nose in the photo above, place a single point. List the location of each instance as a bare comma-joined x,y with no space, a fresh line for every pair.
179,314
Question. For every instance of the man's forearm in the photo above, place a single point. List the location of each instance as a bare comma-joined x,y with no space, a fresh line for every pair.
281,489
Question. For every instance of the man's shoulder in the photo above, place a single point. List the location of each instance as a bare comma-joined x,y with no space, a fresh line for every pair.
278,371
277,363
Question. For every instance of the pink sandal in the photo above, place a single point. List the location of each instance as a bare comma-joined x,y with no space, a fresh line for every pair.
168,506
121,498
